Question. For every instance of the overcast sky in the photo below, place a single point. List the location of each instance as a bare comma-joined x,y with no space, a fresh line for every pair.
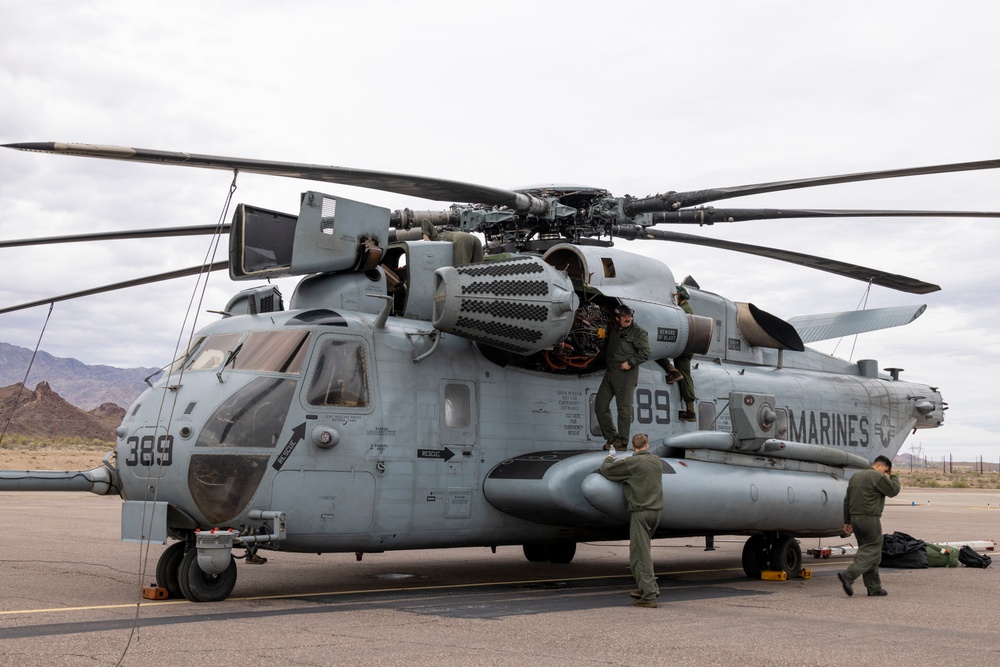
634,97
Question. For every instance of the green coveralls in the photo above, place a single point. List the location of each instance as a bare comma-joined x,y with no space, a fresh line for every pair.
629,344
863,505
467,248
683,364
642,475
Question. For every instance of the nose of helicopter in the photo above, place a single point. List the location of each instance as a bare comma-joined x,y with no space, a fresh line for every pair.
206,462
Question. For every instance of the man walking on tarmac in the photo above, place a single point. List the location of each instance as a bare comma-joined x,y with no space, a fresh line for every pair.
626,349
863,505
642,475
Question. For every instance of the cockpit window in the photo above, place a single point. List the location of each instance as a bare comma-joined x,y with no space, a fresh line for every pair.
271,352
340,375
215,352
254,416
263,351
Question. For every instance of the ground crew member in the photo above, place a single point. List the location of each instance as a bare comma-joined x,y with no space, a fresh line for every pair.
642,475
626,349
681,368
468,248
863,505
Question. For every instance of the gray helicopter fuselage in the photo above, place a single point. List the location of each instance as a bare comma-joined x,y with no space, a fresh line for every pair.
378,435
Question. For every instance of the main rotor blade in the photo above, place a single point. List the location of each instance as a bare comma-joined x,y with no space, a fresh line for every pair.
864,274
709,215
416,186
109,236
672,201
217,266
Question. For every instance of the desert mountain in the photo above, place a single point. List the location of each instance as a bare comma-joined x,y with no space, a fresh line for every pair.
87,387
43,412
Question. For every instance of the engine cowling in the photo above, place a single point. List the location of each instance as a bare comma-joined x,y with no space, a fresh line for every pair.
529,304
521,305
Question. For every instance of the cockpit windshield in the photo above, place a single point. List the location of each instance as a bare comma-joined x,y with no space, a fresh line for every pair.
263,351
271,352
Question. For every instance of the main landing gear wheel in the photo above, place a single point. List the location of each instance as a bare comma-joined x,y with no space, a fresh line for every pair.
168,569
755,553
197,586
786,556
562,552
772,551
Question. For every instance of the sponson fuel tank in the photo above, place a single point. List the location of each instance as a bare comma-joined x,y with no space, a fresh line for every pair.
563,487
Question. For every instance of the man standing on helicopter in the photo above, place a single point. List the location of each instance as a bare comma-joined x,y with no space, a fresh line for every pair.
681,369
627,348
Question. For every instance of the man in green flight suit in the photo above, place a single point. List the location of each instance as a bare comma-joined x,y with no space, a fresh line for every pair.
626,349
467,247
682,371
642,475
863,505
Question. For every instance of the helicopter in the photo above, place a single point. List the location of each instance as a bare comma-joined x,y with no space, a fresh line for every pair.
406,400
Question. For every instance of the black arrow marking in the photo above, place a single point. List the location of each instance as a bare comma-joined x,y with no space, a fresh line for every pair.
298,433
440,454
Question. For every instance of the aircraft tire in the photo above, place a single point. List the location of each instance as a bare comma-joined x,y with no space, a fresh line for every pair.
168,569
786,556
536,553
562,553
755,556
197,586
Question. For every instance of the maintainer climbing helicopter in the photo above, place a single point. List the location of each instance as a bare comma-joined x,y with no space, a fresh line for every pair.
402,400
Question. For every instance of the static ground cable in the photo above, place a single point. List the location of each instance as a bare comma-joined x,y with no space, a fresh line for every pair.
17,398
210,253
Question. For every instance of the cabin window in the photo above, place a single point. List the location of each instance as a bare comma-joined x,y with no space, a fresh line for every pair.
457,406
340,375
457,422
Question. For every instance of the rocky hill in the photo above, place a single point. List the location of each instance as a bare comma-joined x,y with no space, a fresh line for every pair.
87,387
44,413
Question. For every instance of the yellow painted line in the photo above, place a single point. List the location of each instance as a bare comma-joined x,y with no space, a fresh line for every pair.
406,589
91,608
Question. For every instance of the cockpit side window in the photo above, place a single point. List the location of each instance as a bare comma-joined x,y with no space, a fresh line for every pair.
215,351
340,375
184,358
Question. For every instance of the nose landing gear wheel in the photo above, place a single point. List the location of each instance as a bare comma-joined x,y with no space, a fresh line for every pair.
198,586
168,569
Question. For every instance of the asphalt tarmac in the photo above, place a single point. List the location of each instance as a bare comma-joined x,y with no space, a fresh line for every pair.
70,595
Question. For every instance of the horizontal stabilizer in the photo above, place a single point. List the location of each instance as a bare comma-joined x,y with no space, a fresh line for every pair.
825,326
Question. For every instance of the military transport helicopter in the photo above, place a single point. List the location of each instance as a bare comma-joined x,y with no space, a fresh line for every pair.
402,402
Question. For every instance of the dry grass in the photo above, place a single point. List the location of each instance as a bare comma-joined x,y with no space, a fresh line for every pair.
22,452
930,478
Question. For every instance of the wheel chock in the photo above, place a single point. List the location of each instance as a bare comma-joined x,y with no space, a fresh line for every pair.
805,573
155,593
774,575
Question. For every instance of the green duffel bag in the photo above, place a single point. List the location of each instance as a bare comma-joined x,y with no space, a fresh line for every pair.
941,555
